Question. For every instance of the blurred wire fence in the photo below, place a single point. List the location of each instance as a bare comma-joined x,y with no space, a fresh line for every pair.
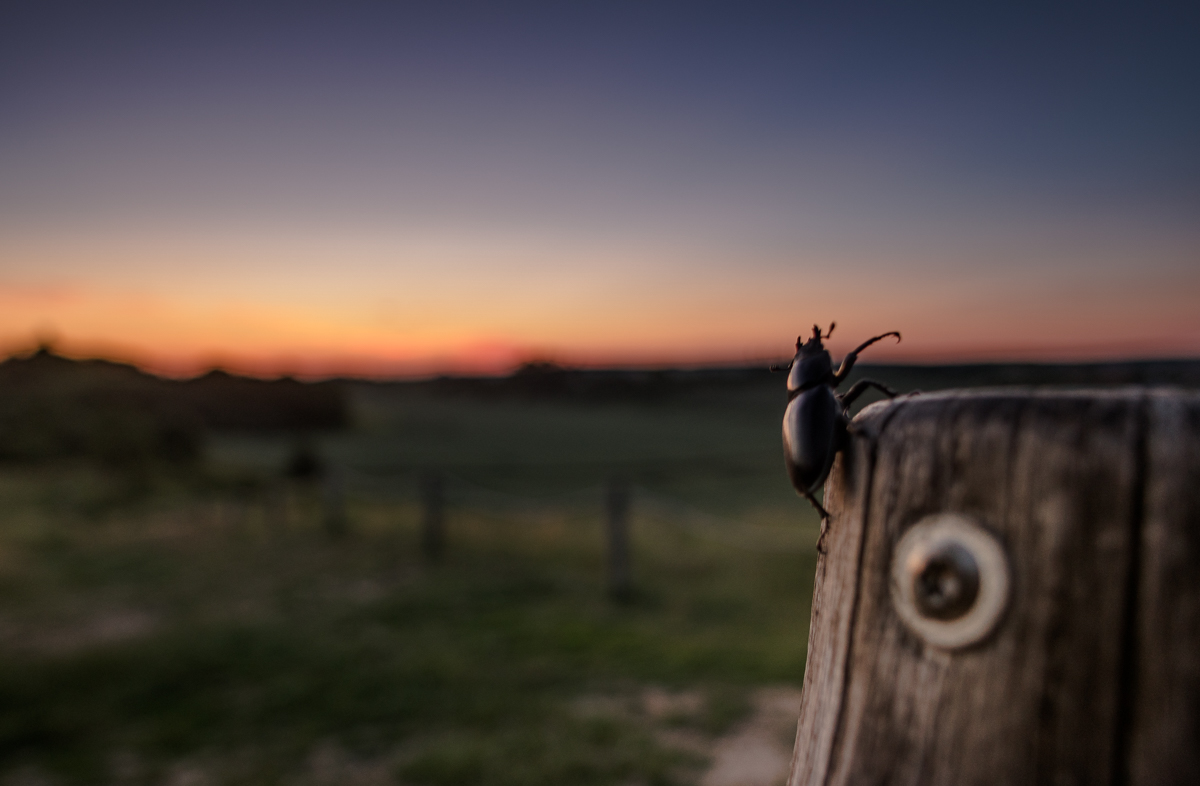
343,494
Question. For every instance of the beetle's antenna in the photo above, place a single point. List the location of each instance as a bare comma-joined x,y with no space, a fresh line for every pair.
829,332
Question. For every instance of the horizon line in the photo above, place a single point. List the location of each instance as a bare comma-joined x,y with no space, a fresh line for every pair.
717,364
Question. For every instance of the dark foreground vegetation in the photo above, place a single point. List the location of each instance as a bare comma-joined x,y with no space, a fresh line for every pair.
220,581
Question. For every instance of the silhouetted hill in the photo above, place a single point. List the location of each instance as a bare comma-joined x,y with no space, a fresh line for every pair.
544,381
55,407
547,381
225,401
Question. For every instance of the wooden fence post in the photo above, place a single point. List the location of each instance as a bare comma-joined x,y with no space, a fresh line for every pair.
620,574
277,505
335,519
433,524
1010,594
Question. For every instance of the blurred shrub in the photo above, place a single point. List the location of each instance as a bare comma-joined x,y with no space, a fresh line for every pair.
223,401
117,431
54,408
304,464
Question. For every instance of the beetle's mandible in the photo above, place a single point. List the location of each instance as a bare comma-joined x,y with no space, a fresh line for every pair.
814,424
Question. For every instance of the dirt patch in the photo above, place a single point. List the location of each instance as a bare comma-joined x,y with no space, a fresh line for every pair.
666,706
757,751
330,764
107,627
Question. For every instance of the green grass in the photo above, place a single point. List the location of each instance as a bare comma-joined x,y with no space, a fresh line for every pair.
212,625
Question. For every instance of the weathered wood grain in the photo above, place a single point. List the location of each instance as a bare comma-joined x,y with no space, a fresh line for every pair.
834,598
1098,522
1164,734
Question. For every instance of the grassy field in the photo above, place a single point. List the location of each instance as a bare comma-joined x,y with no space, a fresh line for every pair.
207,626
194,616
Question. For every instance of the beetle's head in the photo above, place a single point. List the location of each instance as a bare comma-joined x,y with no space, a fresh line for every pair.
813,346
812,364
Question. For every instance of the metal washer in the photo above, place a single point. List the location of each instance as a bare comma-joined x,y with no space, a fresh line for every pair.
912,550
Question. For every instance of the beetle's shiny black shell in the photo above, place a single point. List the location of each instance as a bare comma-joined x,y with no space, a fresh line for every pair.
810,436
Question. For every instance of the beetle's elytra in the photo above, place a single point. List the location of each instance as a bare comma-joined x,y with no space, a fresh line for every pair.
814,424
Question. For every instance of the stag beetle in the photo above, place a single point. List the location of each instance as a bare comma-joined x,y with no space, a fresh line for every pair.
815,421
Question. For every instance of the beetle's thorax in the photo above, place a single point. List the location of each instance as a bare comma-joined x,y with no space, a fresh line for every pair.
811,366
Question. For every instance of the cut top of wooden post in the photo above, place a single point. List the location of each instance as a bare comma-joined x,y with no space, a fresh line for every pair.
1091,671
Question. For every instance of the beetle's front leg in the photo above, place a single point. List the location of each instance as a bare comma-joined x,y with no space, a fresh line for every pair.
850,359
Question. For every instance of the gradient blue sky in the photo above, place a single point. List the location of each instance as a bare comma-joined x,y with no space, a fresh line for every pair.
398,188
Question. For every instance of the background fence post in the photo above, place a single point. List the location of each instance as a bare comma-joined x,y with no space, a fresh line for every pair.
620,574
277,508
335,520
433,515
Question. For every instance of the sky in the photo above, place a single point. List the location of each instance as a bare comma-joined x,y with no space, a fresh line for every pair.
412,188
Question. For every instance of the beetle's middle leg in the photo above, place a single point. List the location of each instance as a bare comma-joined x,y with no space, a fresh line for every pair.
860,387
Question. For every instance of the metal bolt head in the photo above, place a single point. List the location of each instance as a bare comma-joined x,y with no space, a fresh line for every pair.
945,580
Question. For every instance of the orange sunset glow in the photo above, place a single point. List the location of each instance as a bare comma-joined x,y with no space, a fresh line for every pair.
273,200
